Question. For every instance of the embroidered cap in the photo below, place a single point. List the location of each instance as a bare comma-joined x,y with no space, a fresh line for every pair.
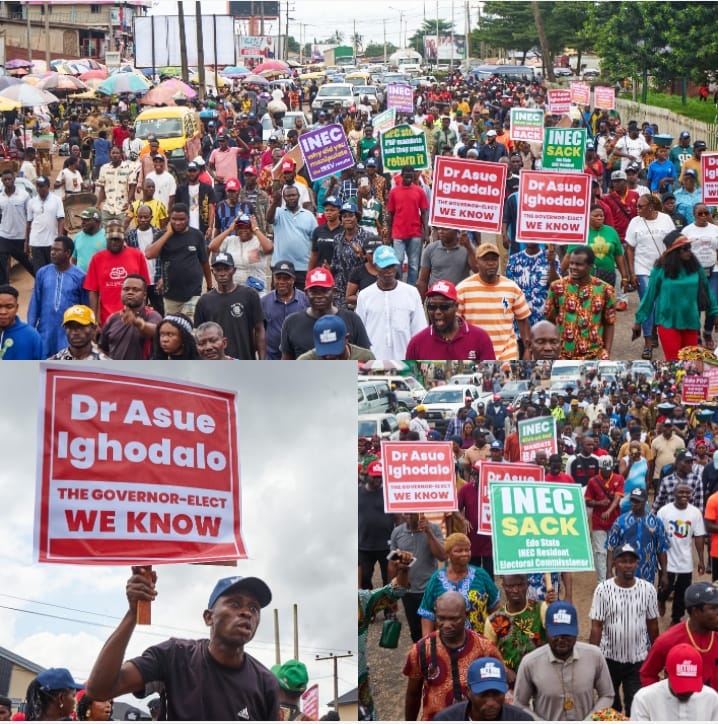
561,619
684,666
487,674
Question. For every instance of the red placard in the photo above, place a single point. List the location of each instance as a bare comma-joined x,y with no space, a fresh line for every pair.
553,207
712,374
580,93
559,101
501,472
310,702
604,97
694,389
135,469
419,477
468,194
709,178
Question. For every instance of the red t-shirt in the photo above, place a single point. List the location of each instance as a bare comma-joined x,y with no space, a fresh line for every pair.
470,342
119,134
597,489
107,272
560,478
406,204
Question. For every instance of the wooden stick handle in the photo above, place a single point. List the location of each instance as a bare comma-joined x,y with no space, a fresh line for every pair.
144,608
547,581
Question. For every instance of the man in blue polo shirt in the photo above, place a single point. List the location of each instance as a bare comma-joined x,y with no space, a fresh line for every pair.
282,301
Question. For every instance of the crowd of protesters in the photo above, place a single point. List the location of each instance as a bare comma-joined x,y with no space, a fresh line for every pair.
355,246
643,645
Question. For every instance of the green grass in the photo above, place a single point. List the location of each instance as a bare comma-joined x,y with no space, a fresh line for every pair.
693,108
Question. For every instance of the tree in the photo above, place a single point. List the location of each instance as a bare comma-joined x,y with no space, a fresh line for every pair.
292,45
376,50
429,27
543,41
507,26
335,39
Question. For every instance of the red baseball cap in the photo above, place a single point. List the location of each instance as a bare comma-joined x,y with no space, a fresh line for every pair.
250,170
288,164
319,277
684,667
231,184
375,469
445,288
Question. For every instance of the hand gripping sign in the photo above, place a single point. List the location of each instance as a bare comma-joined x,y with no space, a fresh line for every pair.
136,469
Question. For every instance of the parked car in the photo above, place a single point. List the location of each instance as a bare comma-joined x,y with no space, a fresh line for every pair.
512,389
563,72
591,74
371,94
332,94
287,123
409,391
372,396
383,424
643,367
443,402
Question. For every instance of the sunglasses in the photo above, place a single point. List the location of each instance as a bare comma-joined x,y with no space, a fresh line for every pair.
439,307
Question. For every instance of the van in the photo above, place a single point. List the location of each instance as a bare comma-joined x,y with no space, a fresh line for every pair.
409,391
568,371
177,129
372,396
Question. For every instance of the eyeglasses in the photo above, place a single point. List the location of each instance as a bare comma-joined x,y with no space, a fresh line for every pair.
439,307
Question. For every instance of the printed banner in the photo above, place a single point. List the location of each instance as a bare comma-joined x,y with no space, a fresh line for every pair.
542,527
419,477
310,702
135,470
468,194
580,93
564,149
526,125
604,97
559,101
538,433
709,178
384,121
256,45
712,374
403,145
694,389
498,473
326,151
401,97
553,207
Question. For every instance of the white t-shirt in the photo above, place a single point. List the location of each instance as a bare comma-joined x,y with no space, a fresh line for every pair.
28,171
144,239
704,242
646,237
165,186
632,146
681,526
193,191
71,182
44,214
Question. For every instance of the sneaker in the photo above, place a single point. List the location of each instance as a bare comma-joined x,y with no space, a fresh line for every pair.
622,305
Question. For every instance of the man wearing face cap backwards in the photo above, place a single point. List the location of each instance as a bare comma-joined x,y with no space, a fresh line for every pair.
204,680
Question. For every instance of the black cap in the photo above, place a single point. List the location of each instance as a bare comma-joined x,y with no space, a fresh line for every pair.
285,267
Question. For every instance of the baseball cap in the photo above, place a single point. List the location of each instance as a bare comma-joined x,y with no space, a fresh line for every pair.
192,166
684,134
292,675
625,549
619,176
667,197
633,166
349,207
700,145
250,170
606,462
444,288
222,137
223,258
420,408
371,162
639,494
332,201
384,256
91,213
690,172
274,137
158,157
288,164
496,445
285,267
231,184
486,248
114,233
375,469
684,455
360,167
42,181
372,244
56,679
700,593
329,335
256,586
490,133
79,313
487,674
151,137
684,666
561,619
319,277
198,160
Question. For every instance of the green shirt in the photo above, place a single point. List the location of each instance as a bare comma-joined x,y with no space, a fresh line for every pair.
606,246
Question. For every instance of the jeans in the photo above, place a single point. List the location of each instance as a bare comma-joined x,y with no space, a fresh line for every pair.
647,326
598,539
367,561
412,248
626,675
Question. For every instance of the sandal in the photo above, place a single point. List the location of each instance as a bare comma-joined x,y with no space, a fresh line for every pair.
708,341
647,352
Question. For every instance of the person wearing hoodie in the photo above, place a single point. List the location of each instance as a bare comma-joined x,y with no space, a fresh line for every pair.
18,340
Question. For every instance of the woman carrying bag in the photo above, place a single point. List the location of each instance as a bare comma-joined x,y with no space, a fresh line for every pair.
677,293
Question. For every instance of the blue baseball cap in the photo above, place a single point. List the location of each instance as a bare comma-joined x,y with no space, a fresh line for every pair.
332,201
57,679
349,207
384,256
487,674
256,586
561,619
329,335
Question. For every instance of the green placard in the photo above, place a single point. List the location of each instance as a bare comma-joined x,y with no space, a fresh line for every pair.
536,433
539,528
404,145
564,149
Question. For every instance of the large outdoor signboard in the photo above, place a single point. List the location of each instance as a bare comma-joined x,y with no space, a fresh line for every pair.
491,473
135,470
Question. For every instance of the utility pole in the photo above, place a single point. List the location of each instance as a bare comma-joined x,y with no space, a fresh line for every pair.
467,20
286,34
47,35
334,657
183,41
28,30
384,24
200,48
354,41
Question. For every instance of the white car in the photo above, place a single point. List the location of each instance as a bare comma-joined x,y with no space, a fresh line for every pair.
591,74
384,425
443,402
287,123
562,72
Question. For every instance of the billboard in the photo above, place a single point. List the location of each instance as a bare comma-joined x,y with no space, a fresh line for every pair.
444,47
244,9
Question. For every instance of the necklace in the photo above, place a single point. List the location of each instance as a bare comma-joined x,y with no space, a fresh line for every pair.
567,698
695,644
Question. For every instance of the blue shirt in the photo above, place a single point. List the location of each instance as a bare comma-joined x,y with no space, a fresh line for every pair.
531,274
685,202
102,151
658,171
275,312
292,237
648,537
20,341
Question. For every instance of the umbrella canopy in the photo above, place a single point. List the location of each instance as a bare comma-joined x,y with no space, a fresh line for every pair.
234,71
17,72
18,63
92,64
271,65
166,93
384,364
93,74
6,80
256,79
209,80
28,96
123,83
59,83
7,105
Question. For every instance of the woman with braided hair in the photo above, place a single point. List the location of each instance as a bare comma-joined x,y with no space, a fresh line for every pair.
51,696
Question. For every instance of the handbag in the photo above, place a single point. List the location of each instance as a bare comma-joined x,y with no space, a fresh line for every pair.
390,632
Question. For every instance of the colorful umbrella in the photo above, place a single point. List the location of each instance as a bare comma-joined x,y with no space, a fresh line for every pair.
16,63
28,96
7,105
6,80
166,93
123,83
60,83
93,74
271,65
256,79
384,364
234,71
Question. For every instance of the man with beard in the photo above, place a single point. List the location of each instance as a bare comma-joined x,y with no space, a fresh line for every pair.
80,327
564,678
624,624
253,200
298,329
128,334
544,342
437,665
282,301
451,257
236,308
206,679
199,198
583,308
